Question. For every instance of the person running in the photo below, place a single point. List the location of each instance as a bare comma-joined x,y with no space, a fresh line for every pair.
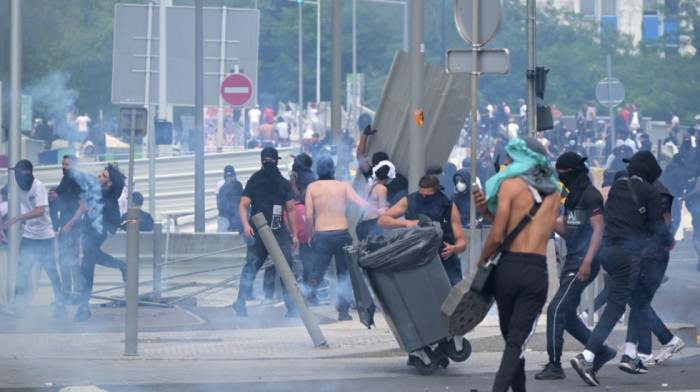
633,212
327,226
655,259
37,242
581,227
520,278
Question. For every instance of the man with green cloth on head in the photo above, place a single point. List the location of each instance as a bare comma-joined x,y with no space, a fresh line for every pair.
520,277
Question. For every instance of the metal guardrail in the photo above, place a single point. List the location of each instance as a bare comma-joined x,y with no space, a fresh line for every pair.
174,189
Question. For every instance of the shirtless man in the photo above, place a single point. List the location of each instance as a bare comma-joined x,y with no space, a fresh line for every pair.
328,230
266,135
520,277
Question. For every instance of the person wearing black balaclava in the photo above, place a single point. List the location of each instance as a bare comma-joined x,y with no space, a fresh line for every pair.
432,203
633,213
582,228
266,192
37,242
228,196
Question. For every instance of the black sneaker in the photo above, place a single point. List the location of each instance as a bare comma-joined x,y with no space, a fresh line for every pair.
551,371
343,315
82,314
123,271
584,370
632,365
239,308
601,359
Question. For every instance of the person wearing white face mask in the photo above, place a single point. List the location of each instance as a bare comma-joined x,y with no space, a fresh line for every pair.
461,197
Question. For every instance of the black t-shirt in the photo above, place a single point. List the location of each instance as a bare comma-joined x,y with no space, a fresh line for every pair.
578,225
624,222
230,198
145,224
69,198
268,195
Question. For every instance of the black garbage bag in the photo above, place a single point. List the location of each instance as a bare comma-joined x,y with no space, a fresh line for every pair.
400,249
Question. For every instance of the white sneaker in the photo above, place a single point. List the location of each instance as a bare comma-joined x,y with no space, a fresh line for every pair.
668,350
584,317
647,359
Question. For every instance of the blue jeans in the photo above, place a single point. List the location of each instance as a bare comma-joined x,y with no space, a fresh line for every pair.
30,251
645,321
622,263
325,245
254,259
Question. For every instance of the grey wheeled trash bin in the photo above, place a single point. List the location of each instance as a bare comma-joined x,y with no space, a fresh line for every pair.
410,284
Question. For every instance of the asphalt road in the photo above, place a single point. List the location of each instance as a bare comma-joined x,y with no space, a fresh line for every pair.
681,373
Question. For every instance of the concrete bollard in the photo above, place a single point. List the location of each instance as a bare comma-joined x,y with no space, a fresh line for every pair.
288,280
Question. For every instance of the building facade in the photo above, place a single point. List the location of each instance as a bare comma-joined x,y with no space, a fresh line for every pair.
640,19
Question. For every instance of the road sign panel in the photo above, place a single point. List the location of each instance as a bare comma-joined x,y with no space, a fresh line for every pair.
135,116
489,61
610,92
489,20
237,89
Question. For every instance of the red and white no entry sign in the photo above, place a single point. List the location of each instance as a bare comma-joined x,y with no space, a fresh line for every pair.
237,89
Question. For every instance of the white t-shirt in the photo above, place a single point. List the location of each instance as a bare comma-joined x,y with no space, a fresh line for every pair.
282,129
82,123
38,228
219,185
254,115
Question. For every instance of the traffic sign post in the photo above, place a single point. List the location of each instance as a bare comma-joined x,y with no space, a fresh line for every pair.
610,92
237,89
477,22
489,61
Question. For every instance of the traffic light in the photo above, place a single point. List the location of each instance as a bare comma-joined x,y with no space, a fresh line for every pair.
540,81
544,118
300,1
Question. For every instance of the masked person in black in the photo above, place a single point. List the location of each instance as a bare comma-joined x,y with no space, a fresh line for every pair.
582,227
653,267
266,192
101,218
37,242
432,203
633,212
67,202
229,198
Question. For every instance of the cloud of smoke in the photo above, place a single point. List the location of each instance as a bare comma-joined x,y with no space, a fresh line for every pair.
52,100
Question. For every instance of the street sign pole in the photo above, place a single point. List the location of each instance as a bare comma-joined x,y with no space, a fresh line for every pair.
610,105
473,240
477,22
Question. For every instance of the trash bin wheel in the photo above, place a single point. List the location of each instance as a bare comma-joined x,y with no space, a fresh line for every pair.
458,356
423,368
444,362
